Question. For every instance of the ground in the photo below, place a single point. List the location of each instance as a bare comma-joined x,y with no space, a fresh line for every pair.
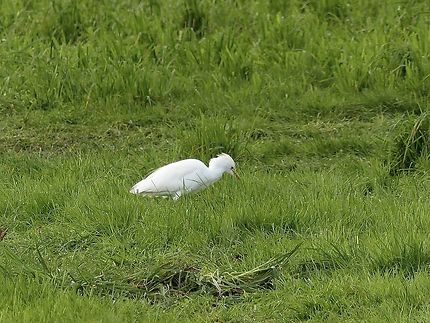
323,105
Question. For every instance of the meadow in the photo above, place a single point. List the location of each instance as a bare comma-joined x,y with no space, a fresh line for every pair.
322,103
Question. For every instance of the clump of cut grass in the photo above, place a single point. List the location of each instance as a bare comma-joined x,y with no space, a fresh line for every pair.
168,279
192,279
3,232
410,146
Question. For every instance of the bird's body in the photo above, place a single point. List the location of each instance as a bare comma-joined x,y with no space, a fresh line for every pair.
184,176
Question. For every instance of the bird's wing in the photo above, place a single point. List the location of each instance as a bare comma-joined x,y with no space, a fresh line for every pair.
177,169
170,178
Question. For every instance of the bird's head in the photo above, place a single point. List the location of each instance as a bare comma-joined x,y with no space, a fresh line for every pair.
224,162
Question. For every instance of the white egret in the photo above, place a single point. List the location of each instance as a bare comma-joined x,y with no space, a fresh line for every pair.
184,176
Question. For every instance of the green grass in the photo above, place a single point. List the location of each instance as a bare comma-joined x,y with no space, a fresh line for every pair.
324,106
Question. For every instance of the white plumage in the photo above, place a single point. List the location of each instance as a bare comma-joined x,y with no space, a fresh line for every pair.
184,176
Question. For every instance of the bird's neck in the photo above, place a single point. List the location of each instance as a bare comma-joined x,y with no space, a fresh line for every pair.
215,173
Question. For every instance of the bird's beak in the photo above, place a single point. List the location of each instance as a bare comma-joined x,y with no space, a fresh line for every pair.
235,173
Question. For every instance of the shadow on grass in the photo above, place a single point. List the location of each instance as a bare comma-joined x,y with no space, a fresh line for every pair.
327,259
405,259
365,110
269,226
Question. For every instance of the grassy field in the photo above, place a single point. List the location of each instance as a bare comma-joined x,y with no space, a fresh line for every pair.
322,103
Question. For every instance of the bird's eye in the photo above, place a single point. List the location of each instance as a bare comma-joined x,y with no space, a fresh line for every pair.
232,168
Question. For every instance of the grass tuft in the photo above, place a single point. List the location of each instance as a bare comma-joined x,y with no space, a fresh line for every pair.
194,18
212,136
67,25
403,258
410,146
